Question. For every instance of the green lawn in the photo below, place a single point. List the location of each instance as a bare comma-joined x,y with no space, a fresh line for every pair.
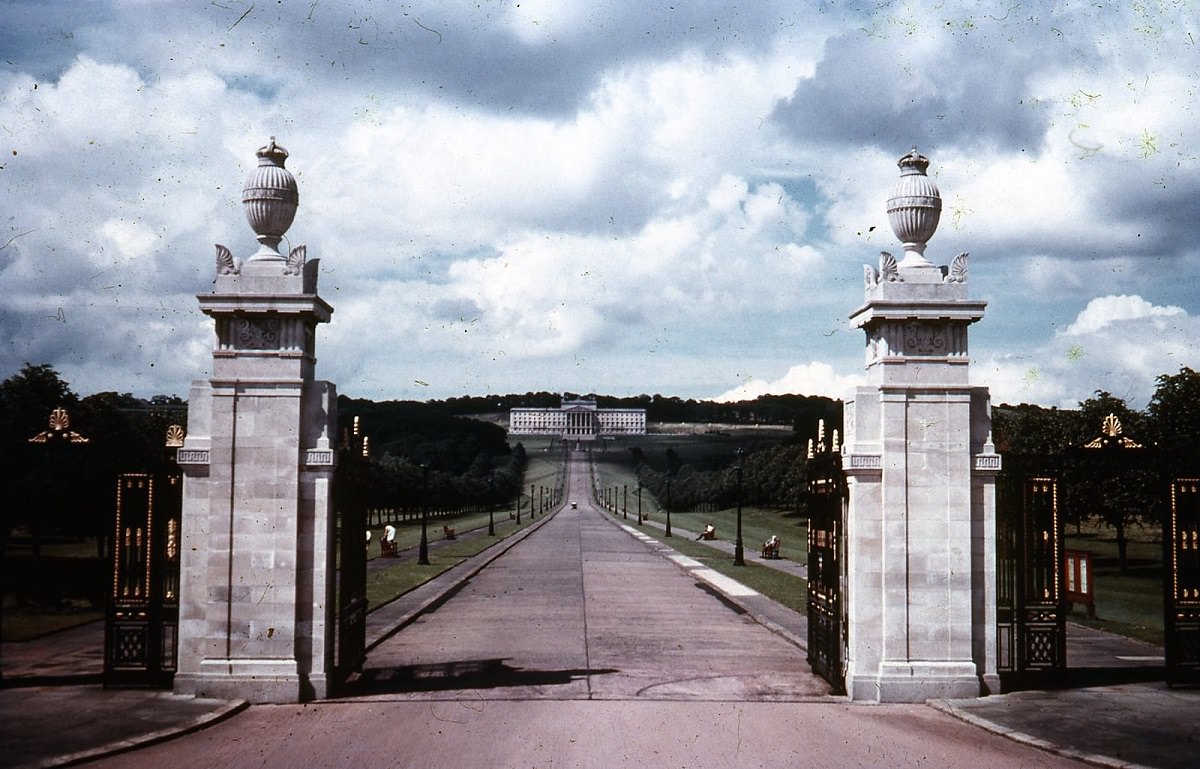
63,588
1129,604
779,586
545,469
404,573
26,625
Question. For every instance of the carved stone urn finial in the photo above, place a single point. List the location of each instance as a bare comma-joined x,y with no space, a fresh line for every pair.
270,197
914,208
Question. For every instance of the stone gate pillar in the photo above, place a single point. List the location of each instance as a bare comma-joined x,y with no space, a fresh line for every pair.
920,467
256,571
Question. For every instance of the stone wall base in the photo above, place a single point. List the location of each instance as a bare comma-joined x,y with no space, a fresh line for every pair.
260,681
914,681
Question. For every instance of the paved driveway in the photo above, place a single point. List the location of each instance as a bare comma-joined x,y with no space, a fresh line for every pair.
583,647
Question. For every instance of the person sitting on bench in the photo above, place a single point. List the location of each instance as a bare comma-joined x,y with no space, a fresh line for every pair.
387,545
710,532
770,548
449,532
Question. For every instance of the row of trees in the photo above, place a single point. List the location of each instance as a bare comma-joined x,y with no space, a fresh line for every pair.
796,411
1122,489
419,448
68,487
425,454
1119,490
772,476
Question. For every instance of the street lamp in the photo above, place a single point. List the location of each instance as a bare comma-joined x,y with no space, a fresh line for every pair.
668,503
491,503
738,550
423,552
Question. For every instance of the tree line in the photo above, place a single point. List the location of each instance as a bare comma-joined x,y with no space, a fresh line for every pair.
1119,488
441,452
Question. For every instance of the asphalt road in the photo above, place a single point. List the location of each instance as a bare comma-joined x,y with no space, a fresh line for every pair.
583,647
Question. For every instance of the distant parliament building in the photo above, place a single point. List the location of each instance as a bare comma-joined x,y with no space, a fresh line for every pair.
577,419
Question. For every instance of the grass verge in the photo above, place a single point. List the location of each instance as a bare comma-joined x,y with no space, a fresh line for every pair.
403,574
26,625
781,587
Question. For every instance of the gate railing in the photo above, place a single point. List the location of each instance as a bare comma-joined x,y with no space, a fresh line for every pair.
142,613
1032,602
1181,587
826,549
1031,608
350,504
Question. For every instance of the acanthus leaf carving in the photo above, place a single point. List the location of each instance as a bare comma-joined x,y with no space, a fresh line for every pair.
295,261
958,269
889,271
226,265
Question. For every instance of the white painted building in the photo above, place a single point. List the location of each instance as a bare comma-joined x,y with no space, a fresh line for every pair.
577,419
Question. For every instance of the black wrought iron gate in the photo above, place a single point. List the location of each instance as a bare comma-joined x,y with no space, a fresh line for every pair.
142,617
1031,561
1031,608
1181,588
350,504
826,550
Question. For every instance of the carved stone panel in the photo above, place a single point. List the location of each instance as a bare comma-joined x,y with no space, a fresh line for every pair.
924,338
256,333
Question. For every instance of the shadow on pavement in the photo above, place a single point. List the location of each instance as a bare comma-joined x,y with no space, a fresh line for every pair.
81,679
465,674
1082,678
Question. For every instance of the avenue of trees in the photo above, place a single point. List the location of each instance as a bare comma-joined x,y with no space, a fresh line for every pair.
447,454
426,454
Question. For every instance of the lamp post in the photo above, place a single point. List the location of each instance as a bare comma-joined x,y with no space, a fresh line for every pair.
738,550
491,504
639,500
668,504
423,551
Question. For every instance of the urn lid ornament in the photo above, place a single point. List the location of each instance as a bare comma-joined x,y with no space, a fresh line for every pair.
270,197
914,208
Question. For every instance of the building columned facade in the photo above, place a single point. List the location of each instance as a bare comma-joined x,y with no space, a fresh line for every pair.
578,419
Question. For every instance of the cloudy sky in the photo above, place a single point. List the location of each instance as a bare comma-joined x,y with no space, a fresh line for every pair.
621,197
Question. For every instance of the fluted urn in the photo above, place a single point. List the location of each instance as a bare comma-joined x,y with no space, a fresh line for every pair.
914,208
270,197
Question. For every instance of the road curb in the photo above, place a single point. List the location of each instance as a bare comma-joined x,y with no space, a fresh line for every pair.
226,709
454,578
949,708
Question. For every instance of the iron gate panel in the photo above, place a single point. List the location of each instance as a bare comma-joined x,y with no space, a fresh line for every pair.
1031,603
351,511
142,617
1042,622
826,547
1181,545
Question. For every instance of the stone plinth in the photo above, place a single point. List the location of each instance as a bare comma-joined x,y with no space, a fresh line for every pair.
920,564
257,565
